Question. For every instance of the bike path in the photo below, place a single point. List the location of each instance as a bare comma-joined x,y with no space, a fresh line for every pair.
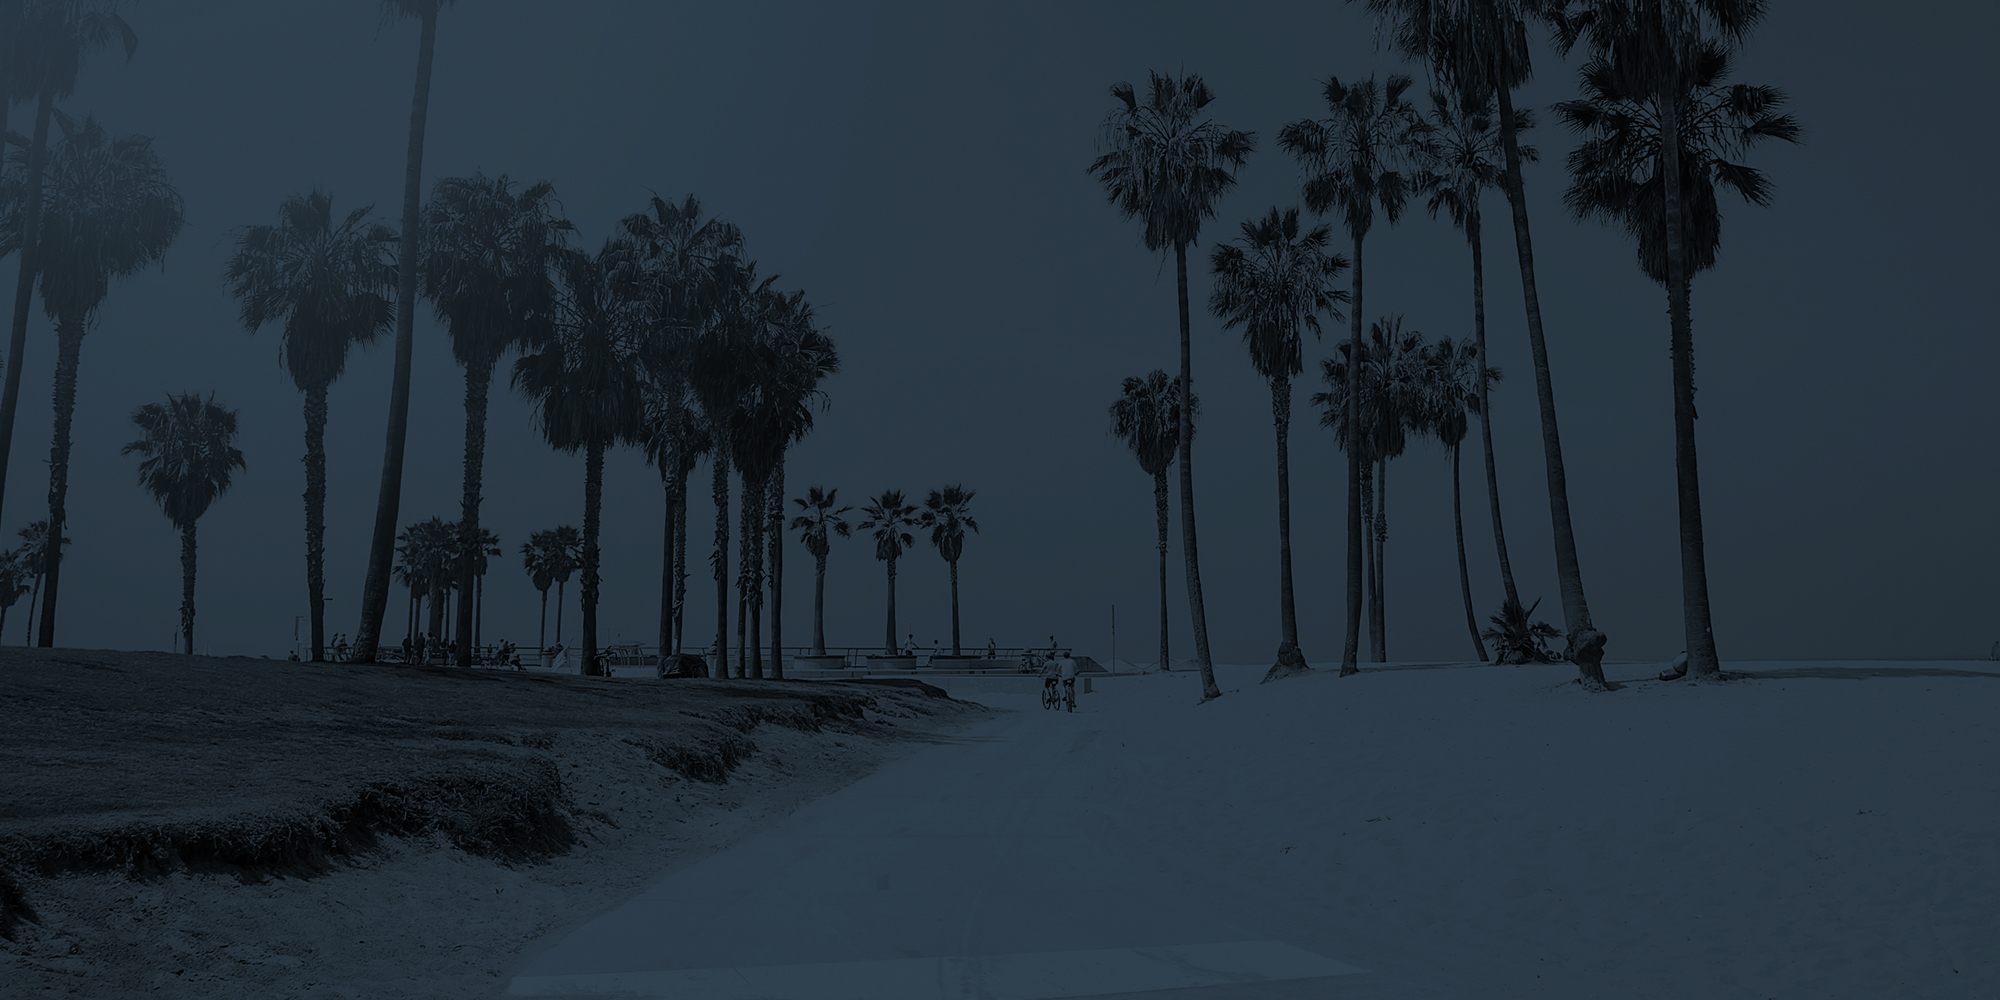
961,871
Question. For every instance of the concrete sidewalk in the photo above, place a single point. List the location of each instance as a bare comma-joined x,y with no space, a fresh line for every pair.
961,871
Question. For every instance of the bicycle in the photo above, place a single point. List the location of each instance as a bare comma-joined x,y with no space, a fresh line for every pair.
1069,692
1050,698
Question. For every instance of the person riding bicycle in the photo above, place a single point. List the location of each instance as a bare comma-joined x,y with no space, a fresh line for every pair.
1067,668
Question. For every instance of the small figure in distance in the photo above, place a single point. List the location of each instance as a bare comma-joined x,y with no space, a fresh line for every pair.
910,645
993,652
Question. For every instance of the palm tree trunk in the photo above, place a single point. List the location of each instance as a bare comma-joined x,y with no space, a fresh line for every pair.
24,284
478,379
478,606
1160,515
667,567
954,607
747,576
754,495
560,585
187,585
719,459
593,502
69,350
1351,648
1381,610
1188,550
1586,643
410,632
1368,581
819,605
315,413
545,619
382,550
680,557
1281,418
1486,403
776,526
1702,660
889,640
28,634
1464,578
437,602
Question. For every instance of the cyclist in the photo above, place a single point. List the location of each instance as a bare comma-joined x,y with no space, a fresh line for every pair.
1067,668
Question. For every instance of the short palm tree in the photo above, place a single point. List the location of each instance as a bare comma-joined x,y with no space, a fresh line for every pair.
429,550
585,382
51,39
817,522
890,519
486,265
1453,389
17,577
1165,165
1147,417
1664,194
185,461
1365,155
34,551
1396,359
330,285
1275,283
108,212
1469,161
1478,49
948,515
550,557
388,500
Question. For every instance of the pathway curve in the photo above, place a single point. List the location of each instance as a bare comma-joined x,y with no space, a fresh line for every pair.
962,871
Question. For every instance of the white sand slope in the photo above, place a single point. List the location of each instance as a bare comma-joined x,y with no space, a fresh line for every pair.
1824,830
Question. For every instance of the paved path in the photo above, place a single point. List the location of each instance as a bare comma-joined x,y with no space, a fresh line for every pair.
961,871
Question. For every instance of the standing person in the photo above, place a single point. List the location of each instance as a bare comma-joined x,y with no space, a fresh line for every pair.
1067,668
993,652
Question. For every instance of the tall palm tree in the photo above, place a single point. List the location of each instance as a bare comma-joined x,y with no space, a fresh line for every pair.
890,518
1354,162
948,513
1147,417
801,357
1479,49
186,458
817,522
486,265
1274,283
585,381
108,211
1454,387
1469,161
1664,194
487,545
52,38
330,285
1395,361
1166,166
686,263
388,500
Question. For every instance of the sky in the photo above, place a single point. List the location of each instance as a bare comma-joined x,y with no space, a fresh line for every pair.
919,171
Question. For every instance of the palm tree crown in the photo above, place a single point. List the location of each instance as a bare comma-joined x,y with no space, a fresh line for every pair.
818,520
333,286
187,453
1275,284
1163,164
1147,417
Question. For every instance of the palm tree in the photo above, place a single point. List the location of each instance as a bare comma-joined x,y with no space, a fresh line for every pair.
551,556
801,357
1664,194
817,521
485,264
429,551
585,381
410,572
1478,49
686,263
186,458
1274,284
1147,418
330,286
487,545
34,542
889,517
1353,162
1395,360
1454,385
1469,162
108,212
381,550
1166,166
537,557
16,577
52,38
948,513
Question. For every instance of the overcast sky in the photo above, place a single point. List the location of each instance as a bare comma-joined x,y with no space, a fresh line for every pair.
919,170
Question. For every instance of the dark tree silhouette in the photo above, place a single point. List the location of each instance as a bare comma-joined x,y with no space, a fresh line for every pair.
890,518
948,515
186,458
1166,166
1147,417
817,521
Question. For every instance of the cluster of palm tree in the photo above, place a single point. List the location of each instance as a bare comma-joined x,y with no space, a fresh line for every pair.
1657,70
946,514
21,574
435,564
550,557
